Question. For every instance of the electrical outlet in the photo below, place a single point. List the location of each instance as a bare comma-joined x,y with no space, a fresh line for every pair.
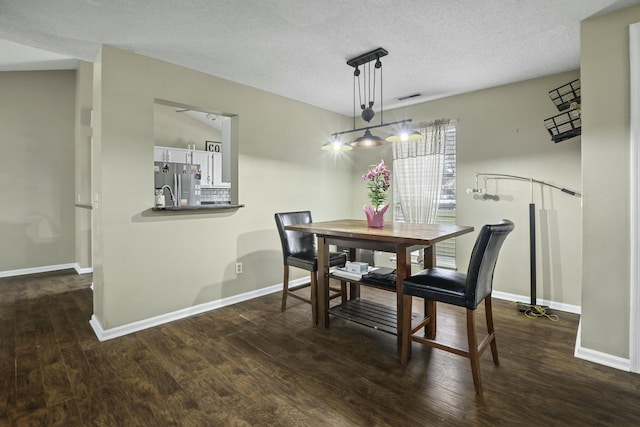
238,267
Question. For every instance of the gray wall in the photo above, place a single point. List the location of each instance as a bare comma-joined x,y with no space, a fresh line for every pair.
501,130
37,169
148,264
173,129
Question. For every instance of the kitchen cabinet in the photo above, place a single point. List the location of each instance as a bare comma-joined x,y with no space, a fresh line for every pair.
158,154
217,171
210,167
170,154
203,158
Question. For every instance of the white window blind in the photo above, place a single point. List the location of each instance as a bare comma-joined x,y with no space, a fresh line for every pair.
445,251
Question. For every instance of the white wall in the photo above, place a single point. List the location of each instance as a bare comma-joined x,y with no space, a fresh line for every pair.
37,169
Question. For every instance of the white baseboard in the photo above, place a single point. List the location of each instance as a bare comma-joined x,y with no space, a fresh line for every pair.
46,269
579,352
107,334
569,308
82,270
598,356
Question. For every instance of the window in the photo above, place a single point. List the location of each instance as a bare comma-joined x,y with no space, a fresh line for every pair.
446,213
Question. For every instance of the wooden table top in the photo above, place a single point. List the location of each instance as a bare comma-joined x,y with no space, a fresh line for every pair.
397,232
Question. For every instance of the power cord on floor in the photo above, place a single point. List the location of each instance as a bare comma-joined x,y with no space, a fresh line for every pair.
534,311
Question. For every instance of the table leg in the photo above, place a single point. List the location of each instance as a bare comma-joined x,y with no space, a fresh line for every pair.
403,270
430,306
354,288
429,257
323,283
405,354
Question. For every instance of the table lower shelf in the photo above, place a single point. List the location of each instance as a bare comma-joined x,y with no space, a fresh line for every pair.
368,313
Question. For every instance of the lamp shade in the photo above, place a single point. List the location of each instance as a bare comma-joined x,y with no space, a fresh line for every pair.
336,145
368,140
405,134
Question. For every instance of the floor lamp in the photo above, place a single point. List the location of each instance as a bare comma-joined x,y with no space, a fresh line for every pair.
533,307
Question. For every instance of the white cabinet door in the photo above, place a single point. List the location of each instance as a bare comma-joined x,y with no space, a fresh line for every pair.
217,170
159,154
203,158
179,155
170,154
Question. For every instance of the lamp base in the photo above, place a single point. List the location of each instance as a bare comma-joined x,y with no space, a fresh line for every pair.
533,310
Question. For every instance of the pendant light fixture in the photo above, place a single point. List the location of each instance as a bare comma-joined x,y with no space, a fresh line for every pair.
364,84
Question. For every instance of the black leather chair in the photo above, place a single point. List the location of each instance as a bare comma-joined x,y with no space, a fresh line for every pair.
464,290
299,250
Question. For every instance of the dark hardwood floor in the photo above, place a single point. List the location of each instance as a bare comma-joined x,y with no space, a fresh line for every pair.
251,365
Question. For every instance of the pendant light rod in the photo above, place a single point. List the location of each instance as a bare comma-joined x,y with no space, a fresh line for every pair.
371,127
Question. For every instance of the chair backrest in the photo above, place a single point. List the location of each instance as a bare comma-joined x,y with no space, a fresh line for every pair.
483,261
294,242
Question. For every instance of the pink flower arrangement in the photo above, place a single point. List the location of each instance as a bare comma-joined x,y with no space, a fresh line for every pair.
378,181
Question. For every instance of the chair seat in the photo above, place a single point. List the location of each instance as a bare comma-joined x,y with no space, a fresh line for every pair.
438,284
309,260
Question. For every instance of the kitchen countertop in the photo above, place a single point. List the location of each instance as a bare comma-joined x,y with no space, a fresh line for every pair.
207,207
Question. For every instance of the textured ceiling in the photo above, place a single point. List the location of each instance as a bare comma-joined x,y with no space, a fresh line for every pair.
299,49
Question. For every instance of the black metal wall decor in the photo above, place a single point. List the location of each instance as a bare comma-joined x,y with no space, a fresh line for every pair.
567,124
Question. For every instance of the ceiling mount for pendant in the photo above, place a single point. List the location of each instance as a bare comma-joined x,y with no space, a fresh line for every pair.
367,57
367,91
367,72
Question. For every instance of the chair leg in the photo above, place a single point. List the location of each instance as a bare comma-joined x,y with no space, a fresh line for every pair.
285,288
405,351
431,312
474,355
314,297
490,330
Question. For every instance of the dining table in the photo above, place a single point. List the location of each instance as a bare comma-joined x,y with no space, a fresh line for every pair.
399,238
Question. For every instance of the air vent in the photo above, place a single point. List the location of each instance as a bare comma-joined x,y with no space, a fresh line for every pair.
415,95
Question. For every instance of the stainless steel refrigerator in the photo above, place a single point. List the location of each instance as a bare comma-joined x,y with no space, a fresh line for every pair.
179,182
